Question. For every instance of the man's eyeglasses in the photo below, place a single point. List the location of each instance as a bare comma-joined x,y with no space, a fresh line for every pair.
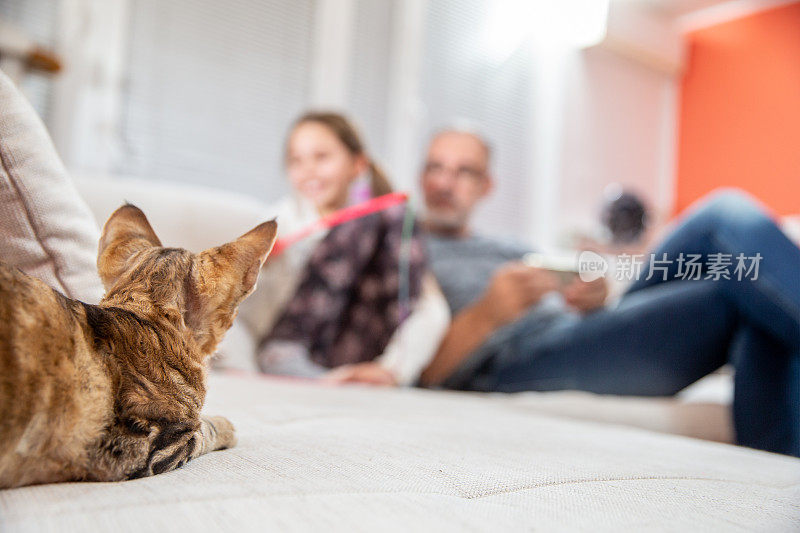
433,170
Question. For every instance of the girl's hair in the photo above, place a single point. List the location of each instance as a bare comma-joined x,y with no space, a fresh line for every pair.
348,134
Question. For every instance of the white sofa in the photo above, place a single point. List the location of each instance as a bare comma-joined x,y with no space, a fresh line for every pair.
357,458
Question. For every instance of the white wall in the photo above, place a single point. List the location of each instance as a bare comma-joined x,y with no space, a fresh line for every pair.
619,124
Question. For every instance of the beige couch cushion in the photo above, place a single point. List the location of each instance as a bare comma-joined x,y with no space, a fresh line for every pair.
46,229
314,458
187,216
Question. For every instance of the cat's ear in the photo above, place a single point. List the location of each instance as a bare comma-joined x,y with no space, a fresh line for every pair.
250,251
223,277
125,233
237,263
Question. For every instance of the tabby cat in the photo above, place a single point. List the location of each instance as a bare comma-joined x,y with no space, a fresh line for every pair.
114,391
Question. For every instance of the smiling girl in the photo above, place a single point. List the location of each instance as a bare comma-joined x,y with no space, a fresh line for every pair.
334,309
324,157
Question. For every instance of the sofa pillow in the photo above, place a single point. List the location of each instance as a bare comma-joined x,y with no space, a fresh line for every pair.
46,230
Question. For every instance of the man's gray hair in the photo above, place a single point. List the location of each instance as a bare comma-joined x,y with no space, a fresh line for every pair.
465,127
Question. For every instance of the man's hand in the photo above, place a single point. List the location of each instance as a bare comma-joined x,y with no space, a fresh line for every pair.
514,287
586,296
370,373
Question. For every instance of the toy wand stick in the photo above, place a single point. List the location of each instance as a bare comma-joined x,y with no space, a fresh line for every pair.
340,217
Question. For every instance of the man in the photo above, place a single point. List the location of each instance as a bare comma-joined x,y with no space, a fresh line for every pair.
512,330
484,280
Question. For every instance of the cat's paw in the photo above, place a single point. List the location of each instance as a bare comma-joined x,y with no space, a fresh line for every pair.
225,432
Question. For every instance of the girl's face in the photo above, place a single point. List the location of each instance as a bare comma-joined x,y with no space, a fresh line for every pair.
320,166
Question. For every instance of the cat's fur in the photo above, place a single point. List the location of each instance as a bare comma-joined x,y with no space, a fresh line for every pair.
114,391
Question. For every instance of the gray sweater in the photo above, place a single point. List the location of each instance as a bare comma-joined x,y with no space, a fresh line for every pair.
463,268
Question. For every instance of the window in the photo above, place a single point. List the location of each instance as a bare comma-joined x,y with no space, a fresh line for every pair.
37,19
211,89
460,82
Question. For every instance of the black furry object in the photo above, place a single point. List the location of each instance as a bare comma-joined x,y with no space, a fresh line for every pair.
626,218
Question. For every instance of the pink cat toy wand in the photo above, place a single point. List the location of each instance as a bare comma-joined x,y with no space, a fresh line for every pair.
340,217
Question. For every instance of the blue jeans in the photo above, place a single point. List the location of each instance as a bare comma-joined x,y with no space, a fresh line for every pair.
666,334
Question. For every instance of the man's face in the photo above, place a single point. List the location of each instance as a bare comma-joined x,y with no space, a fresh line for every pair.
454,180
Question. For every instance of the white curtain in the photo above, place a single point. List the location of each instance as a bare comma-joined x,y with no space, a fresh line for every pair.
370,72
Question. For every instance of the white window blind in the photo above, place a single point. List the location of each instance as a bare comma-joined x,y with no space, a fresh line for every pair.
211,89
460,81
37,19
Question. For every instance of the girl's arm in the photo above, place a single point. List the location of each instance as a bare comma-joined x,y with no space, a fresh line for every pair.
415,342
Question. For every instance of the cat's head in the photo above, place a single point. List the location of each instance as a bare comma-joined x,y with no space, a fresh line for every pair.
198,293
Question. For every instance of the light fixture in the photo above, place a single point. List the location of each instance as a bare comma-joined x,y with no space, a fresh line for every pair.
562,23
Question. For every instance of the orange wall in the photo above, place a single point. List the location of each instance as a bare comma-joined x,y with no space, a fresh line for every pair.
739,122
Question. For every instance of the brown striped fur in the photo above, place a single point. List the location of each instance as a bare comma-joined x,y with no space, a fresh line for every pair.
114,391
